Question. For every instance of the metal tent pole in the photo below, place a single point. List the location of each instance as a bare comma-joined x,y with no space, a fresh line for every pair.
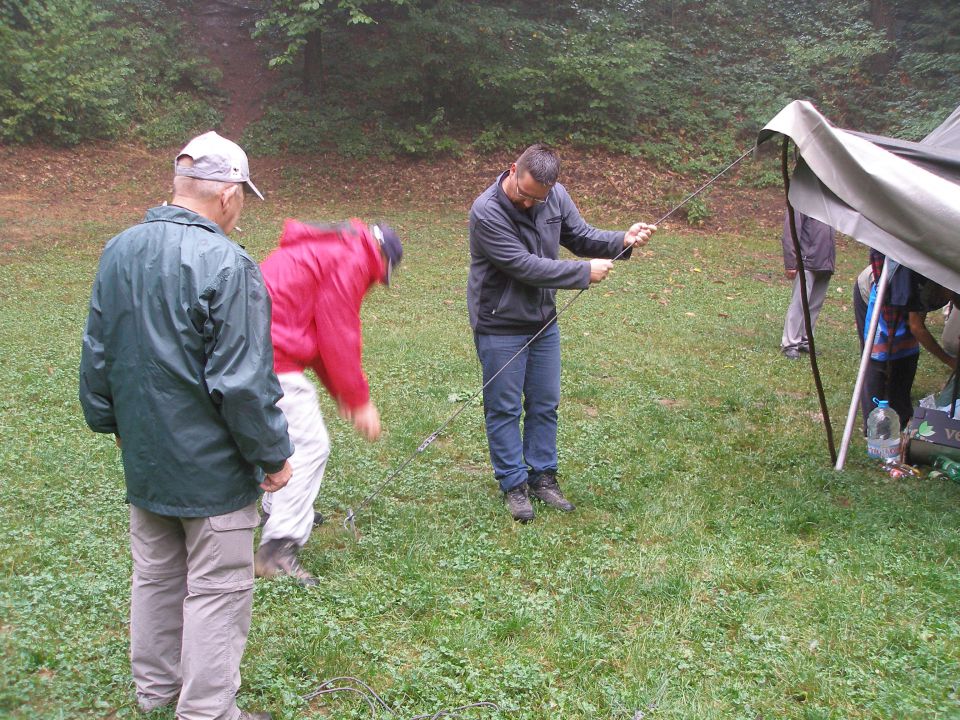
864,361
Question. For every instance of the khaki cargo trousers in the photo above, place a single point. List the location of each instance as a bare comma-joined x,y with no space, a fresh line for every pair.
190,607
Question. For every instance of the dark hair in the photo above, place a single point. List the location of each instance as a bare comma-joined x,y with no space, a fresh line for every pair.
541,163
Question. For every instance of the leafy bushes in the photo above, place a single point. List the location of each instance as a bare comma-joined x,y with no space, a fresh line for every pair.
72,70
428,72
61,73
687,83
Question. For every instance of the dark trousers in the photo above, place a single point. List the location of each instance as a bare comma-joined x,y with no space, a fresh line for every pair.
529,387
891,381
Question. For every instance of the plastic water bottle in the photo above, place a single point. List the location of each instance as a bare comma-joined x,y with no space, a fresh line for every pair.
883,432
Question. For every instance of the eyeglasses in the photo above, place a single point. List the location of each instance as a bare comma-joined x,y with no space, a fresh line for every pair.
527,196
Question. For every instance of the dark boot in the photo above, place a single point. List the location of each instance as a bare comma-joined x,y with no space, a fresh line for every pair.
545,487
279,557
518,501
317,518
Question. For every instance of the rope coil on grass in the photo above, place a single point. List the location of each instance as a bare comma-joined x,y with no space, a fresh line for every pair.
350,684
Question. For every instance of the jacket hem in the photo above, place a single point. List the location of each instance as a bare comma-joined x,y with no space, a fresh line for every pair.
169,510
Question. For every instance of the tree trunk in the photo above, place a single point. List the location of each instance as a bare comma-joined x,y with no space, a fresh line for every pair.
312,77
882,18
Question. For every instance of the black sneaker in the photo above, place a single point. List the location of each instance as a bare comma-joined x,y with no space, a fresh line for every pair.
545,487
279,557
518,500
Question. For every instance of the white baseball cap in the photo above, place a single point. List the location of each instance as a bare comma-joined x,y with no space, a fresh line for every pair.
216,158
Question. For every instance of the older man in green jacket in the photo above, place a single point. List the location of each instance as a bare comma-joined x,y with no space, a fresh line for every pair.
177,363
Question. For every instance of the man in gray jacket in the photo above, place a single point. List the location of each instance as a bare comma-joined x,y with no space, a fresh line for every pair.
177,364
819,252
517,226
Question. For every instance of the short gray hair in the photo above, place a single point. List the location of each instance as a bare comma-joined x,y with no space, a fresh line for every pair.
541,163
198,189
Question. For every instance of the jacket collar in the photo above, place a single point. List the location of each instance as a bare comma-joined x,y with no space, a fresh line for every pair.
182,216
529,217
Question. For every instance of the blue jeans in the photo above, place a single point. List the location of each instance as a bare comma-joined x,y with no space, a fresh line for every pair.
530,384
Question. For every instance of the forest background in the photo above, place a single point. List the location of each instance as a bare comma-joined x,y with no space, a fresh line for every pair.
682,83
717,566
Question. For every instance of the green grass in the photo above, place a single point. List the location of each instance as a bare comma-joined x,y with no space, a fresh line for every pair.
716,567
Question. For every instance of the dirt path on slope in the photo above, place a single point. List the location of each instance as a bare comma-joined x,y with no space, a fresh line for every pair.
221,31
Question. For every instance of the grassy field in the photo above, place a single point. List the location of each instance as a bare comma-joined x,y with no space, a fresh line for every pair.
716,567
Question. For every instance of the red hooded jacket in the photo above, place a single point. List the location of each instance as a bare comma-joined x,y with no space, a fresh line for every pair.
317,279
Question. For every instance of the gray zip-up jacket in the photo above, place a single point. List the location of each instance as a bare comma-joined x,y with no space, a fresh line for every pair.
177,361
515,268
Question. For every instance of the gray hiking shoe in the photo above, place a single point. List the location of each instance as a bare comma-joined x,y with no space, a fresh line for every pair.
244,715
279,557
518,500
545,487
148,706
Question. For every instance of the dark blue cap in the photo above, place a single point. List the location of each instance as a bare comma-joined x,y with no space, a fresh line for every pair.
390,245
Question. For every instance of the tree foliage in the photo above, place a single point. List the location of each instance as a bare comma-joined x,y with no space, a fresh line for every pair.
72,70
686,81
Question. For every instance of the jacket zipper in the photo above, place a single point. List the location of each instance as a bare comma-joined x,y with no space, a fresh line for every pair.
540,254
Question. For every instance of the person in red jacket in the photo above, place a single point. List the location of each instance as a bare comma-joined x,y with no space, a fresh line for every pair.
317,279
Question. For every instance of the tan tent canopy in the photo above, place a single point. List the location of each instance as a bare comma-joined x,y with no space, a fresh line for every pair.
899,197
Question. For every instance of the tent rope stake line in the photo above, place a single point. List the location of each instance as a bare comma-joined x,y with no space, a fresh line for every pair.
899,197
349,521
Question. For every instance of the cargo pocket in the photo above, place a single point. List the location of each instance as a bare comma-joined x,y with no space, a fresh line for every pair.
242,519
222,552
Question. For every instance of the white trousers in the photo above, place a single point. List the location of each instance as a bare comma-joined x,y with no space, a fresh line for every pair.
794,332
291,509
950,340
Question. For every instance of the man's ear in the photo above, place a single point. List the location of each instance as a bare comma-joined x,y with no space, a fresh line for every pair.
227,194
